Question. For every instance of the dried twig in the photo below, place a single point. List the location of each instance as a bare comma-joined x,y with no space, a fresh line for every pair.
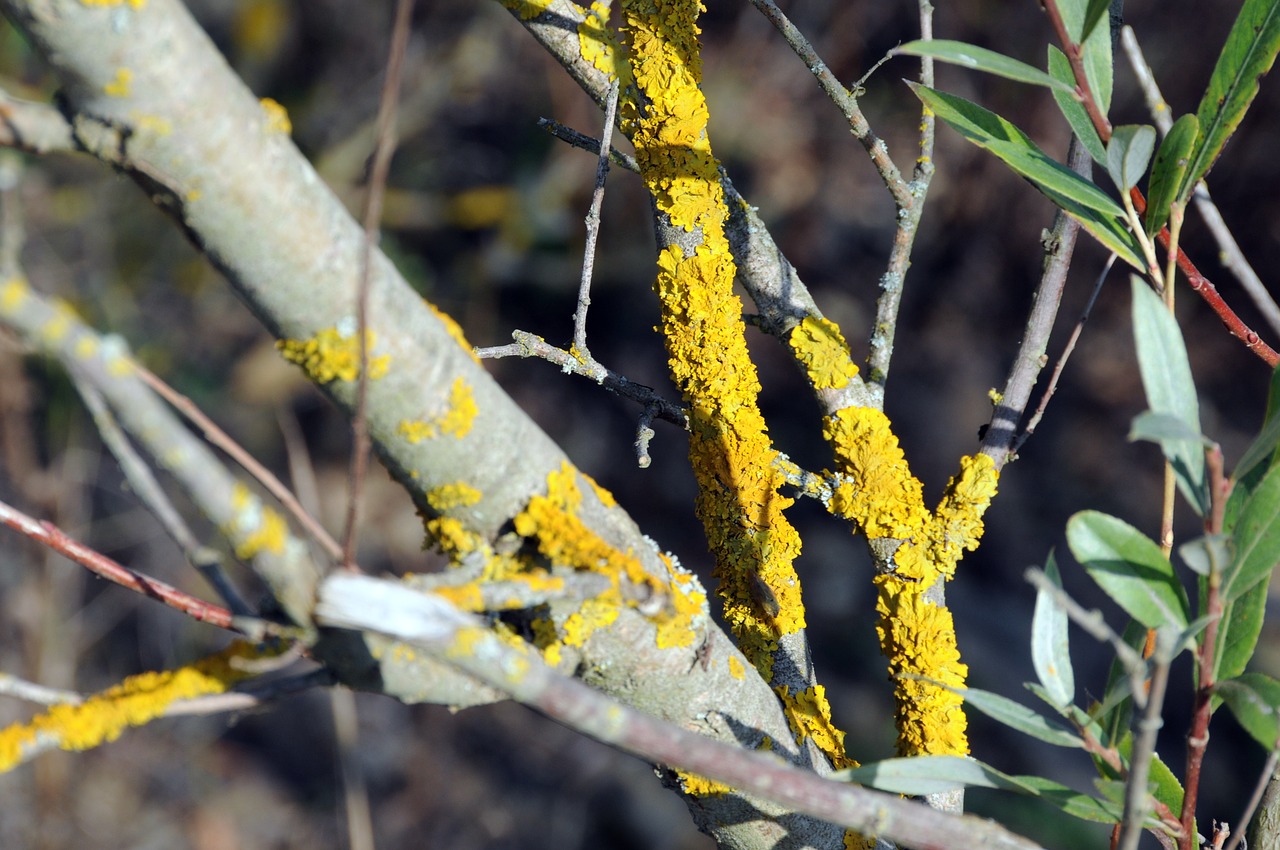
370,218
593,227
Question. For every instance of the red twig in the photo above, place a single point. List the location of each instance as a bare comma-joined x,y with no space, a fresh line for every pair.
1198,737
1202,285
50,535
1199,283
1075,55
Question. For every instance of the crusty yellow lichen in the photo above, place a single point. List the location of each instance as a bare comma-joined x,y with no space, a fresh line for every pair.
331,355
459,494
58,325
699,786
597,43
137,4
527,9
885,501
738,486
13,292
455,421
453,329
136,701
688,604
120,85
809,715
822,352
736,670
255,528
277,117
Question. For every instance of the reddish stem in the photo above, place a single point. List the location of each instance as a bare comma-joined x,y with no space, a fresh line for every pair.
1209,293
99,564
1075,55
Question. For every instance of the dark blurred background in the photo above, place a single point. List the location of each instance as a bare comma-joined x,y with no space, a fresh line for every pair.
484,216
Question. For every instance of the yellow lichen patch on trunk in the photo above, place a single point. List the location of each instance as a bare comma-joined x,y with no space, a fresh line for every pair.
454,421
446,497
332,355
918,640
822,352
255,527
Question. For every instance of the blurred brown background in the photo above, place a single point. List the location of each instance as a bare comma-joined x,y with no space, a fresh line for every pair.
485,216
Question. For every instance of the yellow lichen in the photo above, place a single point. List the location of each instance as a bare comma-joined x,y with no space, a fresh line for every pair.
455,421
134,702
809,715
597,42
277,117
698,786
120,85
332,355
822,353
255,528
153,124
688,604
64,318
527,9
468,597
454,330
137,4
593,614
456,495
738,500
736,670
14,291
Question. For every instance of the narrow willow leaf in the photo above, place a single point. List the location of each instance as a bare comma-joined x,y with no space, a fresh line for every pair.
1017,716
1094,13
1050,649
1072,802
1206,552
988,130
1166,377
1254,700
1128,154
1083,201
981,59
1160,427
1255,539
1166,787
1248,54
1096,43
931,775
1130,567
1239,631
1072,109
1264,447
1168,171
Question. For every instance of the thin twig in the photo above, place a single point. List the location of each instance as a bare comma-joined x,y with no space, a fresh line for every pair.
1267,780
99,564
530,345
148,490
587,143
893,280
1145,728
371,217
1075,55
236,452
1229,252
12,686
845,101
252,695
593,227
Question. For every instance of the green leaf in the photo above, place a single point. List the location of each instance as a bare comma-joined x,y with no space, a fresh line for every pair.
1161,427
1248,54
1255,539
1050,649
1097,49
1093,14
1264,447
1128,153
1166,377
1206,552
1079,198
1166,787
935,774
1072,109
1168,171
1253,698
1130,567
981,59
1239,630
1017,716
